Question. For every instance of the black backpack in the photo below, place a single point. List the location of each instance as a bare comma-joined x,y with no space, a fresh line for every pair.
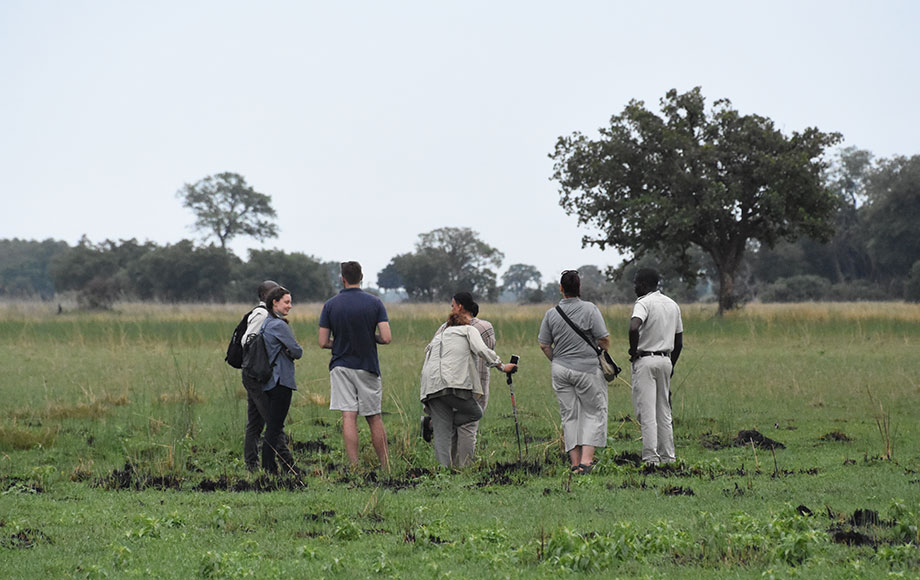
234,356
256,365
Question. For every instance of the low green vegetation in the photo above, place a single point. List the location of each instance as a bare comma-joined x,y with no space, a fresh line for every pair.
796,426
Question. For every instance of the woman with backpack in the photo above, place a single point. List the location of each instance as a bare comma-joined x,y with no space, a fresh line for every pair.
282,348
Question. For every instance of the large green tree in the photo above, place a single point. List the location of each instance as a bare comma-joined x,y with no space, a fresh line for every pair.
225,207
520,279
892,217
445,261
690,176
306,277
183,272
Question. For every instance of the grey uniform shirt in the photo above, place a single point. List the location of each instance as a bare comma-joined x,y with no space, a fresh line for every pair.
569,349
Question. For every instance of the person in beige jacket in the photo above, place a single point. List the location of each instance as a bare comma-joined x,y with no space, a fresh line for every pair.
450,381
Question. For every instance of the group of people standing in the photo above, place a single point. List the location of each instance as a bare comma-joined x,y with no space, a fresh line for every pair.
454,383
351,324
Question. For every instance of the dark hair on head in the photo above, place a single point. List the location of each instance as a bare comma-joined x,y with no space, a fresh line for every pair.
571,283
648,277
265,288
457,319
465,299
274,295
351,271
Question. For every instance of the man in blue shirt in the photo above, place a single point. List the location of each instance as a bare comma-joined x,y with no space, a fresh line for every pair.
352,324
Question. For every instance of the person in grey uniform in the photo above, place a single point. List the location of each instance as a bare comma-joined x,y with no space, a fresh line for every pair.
577,377
656,337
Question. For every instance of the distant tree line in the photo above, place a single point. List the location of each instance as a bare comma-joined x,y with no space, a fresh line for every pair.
101,273
859,239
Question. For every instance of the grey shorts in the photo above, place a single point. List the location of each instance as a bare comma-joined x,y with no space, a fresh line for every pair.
355,390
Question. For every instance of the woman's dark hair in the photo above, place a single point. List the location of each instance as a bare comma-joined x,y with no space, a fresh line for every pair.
274,295
571,283
457,320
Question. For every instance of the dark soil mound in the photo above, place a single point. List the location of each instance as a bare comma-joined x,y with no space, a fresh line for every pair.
851,538
712,441
863,517
627,458
417,472
509,473
317,446
262,483
676,490
131,478
836,436
745,438
25,539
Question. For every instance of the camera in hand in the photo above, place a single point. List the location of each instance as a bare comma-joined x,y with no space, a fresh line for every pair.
514,360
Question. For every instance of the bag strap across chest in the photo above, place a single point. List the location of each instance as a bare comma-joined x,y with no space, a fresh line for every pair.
580,332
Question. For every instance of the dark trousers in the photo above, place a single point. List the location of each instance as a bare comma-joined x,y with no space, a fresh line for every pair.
256,418
279,402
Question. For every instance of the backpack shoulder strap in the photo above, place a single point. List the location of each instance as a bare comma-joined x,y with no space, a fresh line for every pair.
262,332
580,332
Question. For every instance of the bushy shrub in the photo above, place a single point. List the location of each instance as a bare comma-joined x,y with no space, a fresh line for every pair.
796,289
857,290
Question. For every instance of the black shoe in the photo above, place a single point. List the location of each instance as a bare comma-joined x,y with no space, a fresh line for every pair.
427,431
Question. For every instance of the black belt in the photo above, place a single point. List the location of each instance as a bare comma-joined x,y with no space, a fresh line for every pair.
645,353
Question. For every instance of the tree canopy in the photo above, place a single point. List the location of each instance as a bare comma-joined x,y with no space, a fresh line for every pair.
715,179
225,207
445,261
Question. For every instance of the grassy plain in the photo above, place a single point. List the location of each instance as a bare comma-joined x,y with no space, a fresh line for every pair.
121,437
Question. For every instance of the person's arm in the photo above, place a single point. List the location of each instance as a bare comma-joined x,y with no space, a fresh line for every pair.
547,350
678,346
383,335
604,342
478,347
634,324
325,338
289,343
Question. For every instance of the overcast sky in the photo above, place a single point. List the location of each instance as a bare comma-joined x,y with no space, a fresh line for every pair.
369,123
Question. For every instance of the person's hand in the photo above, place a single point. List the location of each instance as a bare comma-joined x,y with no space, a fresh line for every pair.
509,368
633,356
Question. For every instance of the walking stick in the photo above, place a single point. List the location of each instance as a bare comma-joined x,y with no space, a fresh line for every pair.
517,429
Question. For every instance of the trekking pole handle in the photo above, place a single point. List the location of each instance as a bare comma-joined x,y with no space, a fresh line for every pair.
514,361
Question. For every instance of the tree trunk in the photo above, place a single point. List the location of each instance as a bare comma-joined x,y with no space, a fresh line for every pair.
726,290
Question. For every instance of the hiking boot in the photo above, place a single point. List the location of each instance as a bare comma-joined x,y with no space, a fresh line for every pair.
427,430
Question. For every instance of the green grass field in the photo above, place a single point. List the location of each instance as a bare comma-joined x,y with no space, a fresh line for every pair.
121,440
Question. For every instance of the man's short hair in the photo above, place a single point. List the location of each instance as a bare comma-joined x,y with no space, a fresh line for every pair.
265,288
648,277
571,283
465,299
351,271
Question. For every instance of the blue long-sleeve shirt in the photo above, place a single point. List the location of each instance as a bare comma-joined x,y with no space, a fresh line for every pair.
278,336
